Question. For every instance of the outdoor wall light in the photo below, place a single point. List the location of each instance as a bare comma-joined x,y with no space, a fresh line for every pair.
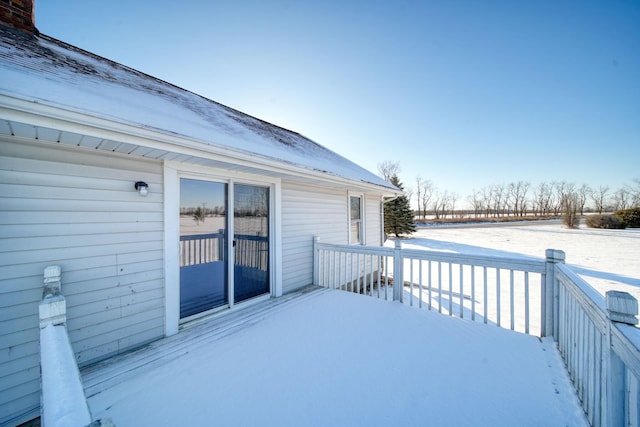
142,188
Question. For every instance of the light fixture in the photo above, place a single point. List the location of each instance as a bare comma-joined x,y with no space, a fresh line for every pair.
142,188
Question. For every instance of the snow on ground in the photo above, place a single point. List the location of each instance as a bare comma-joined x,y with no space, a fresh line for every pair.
341,359
606,259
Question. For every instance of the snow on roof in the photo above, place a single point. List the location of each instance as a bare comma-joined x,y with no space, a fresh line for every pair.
47,71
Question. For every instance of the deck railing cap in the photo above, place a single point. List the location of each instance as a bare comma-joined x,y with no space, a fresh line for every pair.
555,255
622,307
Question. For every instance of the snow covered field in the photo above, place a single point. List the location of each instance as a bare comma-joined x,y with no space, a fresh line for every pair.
606,259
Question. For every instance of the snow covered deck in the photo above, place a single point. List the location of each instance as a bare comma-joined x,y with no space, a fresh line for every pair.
325,357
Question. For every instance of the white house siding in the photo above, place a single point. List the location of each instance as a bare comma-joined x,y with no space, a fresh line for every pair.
309,211
78,210
373,229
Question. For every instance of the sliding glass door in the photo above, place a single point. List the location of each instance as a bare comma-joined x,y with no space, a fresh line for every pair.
205,217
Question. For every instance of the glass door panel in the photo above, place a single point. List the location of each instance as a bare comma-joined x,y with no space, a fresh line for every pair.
203,233
251,241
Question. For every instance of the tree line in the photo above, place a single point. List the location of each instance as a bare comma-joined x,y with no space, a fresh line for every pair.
517,198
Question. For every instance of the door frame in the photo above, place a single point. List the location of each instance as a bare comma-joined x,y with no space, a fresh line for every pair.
173,171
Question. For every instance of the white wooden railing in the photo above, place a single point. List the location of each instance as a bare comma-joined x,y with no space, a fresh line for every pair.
506,292
600,349
63,402
533,296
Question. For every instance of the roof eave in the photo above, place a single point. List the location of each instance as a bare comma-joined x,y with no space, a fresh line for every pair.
39,114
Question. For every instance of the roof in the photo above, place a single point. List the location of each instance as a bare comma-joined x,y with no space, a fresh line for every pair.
45,72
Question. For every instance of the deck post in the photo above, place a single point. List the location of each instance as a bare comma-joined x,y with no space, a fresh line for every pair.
398,275
623,308
550,294
53,308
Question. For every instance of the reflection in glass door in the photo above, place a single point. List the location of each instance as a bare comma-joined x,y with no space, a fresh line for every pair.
203,233
251,241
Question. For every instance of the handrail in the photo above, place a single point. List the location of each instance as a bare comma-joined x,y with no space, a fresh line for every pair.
601,354
63,402
474,288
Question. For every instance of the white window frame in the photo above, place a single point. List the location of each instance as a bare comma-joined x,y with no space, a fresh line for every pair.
361,220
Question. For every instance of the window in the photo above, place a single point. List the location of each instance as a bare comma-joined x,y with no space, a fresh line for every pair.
355,220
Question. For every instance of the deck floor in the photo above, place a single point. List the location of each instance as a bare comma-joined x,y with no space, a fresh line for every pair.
108,373
334,358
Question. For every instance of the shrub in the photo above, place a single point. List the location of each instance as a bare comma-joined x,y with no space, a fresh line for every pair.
604,221
630,217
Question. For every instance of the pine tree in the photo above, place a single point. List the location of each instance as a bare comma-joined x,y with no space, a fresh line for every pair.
398,215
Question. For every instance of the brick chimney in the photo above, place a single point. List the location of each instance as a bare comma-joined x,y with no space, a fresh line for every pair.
18,14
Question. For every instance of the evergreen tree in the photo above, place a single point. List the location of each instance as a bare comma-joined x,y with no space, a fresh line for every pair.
398,215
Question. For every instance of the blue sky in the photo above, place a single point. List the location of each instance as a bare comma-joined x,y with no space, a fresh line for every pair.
464,93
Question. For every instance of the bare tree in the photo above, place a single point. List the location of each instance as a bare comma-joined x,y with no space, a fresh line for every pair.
418,194
440,203
428,189
453,199
387,169
634,191
543,198
487,197
569,204
558,189
583,194
599,197
517,193
475,199
621,199
499,197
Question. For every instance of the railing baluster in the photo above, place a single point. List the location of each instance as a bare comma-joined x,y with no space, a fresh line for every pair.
420,281
386,278
461,289
485,301
450,289
511,300
430,284
473,292
439,287
370,278
323,272
336,271
411,282
318,273
357,277
378,273
355,283
526,302
498,290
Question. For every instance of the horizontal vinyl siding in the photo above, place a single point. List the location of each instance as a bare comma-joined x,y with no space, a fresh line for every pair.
306,212
80,211
373,220
309,211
